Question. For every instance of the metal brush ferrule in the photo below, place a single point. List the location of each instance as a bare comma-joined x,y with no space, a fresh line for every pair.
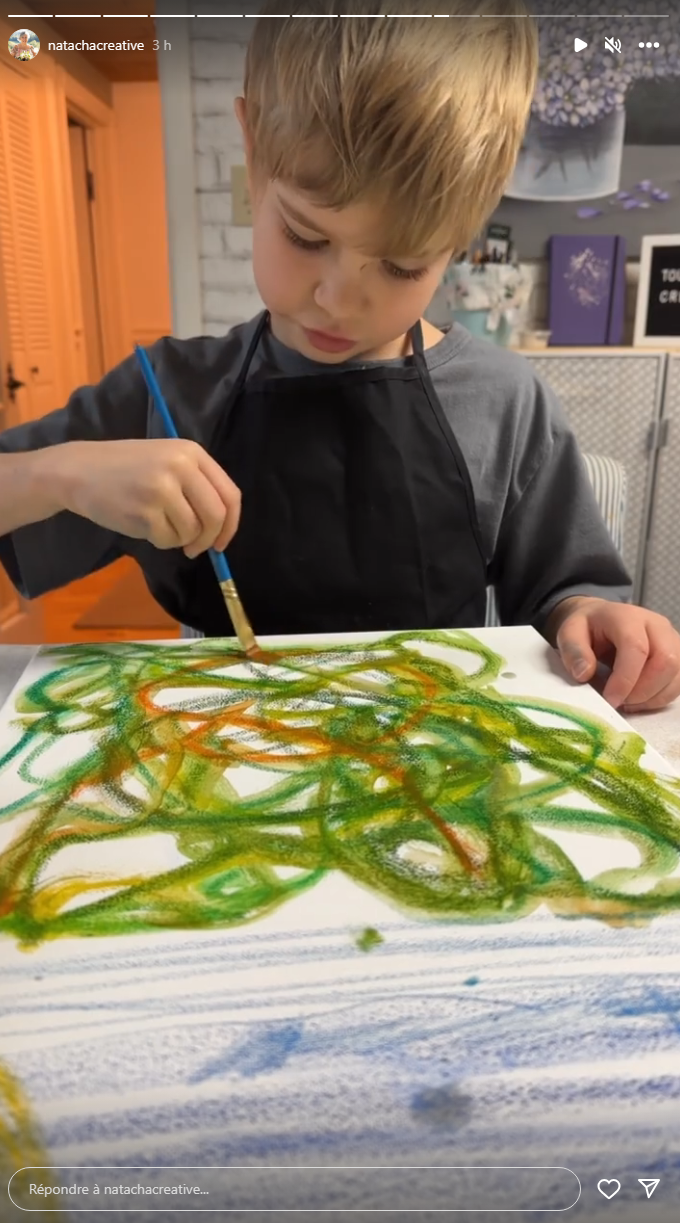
238,617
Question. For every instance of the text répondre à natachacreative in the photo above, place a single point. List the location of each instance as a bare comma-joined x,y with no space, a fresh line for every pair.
49,1190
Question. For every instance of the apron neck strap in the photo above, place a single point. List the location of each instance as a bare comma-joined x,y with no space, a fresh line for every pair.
416,335
245,364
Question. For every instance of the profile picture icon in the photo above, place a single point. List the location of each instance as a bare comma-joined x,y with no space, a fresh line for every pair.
24,44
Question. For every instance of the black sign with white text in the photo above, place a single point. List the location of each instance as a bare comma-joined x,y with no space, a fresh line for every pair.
663,300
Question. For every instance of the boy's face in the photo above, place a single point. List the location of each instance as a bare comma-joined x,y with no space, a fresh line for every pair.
328,298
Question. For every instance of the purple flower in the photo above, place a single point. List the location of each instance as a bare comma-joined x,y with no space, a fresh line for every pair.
579,90
584,214
633,203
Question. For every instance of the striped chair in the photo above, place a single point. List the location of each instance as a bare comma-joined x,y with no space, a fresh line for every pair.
610,485
608,478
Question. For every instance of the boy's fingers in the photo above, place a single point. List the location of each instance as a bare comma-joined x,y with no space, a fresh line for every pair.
166,532
574,645
663,698
184,521
210,512
661,670
632,652
230,495
227,533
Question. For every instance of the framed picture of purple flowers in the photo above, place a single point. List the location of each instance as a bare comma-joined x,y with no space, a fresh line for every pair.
601,152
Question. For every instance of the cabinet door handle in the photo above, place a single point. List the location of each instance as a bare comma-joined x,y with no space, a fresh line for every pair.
12,384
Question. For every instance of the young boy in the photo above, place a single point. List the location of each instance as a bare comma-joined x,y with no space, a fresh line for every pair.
367,470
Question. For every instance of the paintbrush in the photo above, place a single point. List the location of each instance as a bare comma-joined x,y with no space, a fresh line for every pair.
218,560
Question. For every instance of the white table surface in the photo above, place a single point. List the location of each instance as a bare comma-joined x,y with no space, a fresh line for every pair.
661,729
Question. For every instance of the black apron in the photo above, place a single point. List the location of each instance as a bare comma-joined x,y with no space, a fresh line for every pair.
357,508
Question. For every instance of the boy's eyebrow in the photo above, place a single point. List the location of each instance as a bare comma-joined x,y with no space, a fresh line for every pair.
303,220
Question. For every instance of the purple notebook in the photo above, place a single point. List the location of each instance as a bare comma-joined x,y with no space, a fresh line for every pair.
587,289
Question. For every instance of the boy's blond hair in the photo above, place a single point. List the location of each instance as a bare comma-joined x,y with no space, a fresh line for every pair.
420,116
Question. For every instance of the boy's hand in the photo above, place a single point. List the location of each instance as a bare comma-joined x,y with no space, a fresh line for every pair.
641,646
170,492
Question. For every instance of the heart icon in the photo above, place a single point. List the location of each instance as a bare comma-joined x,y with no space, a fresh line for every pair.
609,1189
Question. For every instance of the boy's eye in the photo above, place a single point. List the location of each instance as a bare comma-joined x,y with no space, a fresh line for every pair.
303,242
405,273
391,268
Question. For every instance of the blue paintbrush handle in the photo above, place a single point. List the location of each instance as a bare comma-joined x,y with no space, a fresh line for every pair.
217,559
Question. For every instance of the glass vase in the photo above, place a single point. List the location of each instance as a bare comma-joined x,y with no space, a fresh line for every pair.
569,163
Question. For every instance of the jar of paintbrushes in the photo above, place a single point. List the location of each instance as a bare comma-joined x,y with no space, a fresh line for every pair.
489,298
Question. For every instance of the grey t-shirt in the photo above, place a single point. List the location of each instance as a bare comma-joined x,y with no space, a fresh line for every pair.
540,525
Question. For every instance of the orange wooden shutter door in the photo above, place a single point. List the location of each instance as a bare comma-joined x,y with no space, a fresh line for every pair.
24,230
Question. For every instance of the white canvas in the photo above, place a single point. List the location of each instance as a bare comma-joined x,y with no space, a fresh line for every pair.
343,1027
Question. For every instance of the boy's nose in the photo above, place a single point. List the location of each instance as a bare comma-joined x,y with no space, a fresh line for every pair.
340,296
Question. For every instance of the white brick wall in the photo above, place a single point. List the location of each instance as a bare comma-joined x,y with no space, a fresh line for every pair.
228,292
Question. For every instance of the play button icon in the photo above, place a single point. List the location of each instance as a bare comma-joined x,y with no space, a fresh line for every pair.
579,44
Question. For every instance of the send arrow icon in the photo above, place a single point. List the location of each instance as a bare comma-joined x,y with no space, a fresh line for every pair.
648,1185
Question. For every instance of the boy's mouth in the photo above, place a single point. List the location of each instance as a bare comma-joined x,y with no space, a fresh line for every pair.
327,342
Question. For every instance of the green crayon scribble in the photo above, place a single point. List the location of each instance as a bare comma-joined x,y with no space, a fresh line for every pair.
380,760
369,939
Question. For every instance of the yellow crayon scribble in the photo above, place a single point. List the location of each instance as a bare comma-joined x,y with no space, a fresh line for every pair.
21,1144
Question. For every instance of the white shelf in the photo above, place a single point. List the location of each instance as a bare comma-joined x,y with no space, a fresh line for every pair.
595,351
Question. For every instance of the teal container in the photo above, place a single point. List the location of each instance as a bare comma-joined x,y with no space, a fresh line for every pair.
475,322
